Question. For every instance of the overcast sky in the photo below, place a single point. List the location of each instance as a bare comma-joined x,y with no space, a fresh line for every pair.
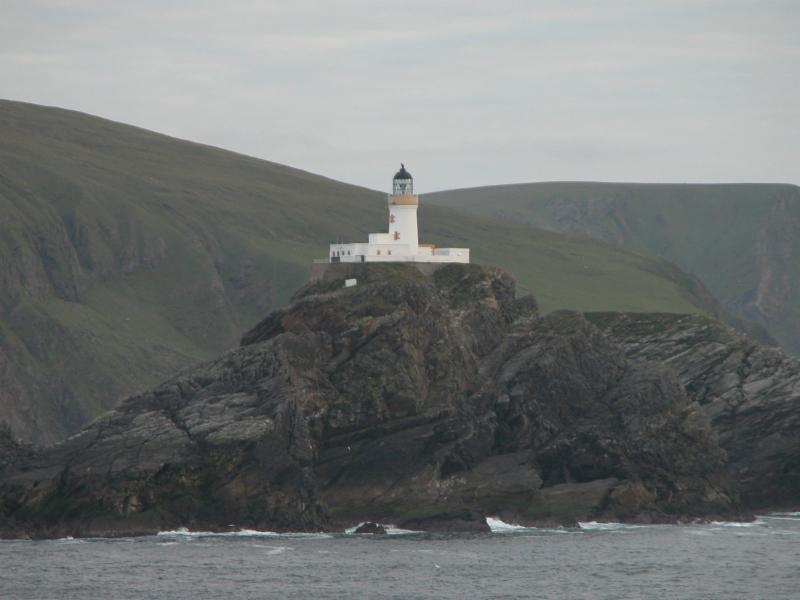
465,93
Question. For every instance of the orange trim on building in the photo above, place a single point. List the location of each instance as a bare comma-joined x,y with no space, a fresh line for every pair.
404,200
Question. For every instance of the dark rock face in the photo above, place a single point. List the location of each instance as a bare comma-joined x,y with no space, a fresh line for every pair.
449,522
427,401
750,393
12,449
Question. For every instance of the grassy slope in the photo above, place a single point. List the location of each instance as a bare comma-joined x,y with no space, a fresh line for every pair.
740,239
126,254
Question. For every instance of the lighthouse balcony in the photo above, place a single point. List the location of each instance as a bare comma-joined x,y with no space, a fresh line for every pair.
403,200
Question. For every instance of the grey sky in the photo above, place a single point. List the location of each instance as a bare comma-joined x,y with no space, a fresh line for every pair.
466,93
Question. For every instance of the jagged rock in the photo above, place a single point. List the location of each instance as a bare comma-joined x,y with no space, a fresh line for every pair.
750,393
372,528
430,401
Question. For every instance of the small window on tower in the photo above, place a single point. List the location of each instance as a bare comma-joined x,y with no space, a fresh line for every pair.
397,235
391,218
388,252
379,252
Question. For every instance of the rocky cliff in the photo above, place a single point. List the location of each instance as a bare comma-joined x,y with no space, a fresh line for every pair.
429,401
750,393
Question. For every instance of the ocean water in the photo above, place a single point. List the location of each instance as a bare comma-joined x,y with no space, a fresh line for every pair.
596,560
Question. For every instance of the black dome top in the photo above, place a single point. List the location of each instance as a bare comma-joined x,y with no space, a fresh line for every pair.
402,173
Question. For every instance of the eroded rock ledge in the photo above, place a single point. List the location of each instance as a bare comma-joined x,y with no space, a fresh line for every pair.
751,394
427,400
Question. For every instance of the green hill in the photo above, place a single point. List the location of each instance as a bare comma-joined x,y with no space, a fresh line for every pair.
742,240
125,255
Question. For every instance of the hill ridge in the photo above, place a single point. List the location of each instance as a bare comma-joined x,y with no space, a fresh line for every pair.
125,255
741,239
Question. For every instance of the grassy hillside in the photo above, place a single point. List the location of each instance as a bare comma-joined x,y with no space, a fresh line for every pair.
742,240
125,255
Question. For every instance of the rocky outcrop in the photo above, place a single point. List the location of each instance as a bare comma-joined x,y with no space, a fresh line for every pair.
750,393
425,401
371,528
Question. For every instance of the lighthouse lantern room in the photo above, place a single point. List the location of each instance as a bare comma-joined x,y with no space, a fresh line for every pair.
401,244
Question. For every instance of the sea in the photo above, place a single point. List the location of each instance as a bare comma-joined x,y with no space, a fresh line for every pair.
595,560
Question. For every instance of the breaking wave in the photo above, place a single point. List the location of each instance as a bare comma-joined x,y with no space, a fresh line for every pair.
498,526
501,527
390,529
598,526
756,523
183,532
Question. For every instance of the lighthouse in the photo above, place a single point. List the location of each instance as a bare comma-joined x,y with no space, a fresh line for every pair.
401,243
403,209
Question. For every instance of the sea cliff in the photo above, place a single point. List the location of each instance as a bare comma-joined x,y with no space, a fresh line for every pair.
429,401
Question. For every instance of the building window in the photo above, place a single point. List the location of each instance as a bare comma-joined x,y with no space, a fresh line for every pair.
379,252
397,235
388,252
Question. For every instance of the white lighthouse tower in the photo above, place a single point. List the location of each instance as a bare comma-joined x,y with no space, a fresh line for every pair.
401,244
403,209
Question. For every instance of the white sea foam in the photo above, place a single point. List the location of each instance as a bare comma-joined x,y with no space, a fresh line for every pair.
613,526
756,523
784,515
498,526
70,540
183,532
597,526
390,529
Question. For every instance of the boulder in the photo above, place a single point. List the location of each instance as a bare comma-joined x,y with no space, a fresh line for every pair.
371,528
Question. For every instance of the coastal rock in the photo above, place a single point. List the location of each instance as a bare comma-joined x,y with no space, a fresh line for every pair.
458,521
371,528
427,400
750,393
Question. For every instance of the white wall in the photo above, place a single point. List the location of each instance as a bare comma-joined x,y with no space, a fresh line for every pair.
405,223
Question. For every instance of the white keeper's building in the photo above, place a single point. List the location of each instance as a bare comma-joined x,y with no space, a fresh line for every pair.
401,244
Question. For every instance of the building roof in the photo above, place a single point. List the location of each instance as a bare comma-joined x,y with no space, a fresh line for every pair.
402,173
